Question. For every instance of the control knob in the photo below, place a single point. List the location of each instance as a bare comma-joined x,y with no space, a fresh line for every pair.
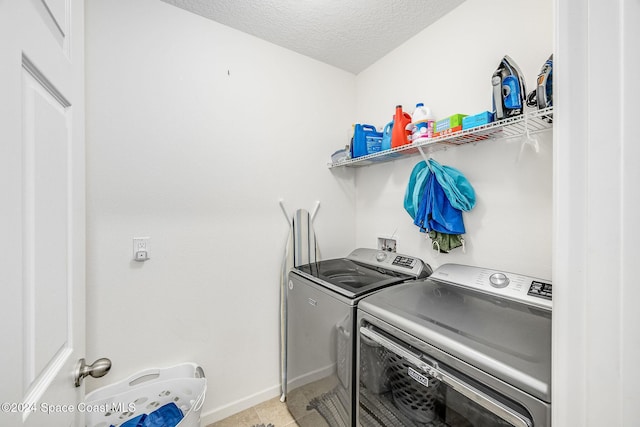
499,280
381,256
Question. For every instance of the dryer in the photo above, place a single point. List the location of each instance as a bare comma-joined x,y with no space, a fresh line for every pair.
467,347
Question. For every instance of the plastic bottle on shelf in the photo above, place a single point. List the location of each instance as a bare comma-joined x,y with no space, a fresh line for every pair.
386,136
422,122
399,133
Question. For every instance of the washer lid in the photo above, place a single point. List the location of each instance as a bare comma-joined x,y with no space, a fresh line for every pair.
507,339
351,278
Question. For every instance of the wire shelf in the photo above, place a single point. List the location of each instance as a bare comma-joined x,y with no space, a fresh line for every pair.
526,124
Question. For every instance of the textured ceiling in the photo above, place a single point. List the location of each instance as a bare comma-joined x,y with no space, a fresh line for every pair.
349,34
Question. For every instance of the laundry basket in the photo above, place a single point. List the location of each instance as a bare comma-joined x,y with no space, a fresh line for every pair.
184,385
374,372
413,398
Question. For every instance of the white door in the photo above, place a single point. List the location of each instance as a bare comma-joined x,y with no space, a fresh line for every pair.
42,215
596,214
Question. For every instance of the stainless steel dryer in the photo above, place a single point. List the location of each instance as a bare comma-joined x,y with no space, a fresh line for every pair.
321,318
467,347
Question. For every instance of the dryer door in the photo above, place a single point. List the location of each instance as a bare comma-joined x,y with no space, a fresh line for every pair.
420,390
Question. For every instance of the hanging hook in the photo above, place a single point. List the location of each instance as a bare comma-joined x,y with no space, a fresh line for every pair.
529,139
424,156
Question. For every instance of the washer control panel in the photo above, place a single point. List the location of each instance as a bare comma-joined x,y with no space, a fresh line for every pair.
404,261
540,289
516,287
391,261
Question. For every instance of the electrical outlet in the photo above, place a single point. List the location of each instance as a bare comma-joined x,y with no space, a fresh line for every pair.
387,244
141,248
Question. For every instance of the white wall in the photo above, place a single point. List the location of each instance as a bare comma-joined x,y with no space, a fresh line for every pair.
194,132
448,66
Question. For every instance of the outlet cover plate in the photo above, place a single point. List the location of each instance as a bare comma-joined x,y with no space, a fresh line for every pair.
141,248
387,244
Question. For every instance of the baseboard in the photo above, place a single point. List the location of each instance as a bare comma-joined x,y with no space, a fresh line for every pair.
310,377
262,396
240,405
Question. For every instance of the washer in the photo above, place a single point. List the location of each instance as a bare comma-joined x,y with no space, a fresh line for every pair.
466,347
322,299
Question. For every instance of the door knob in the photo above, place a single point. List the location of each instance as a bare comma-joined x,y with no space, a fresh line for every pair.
98,369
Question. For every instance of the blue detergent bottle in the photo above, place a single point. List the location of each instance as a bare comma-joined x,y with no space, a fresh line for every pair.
386,136
366,140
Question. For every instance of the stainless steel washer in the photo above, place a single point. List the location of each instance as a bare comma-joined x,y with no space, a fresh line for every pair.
321,317
466,347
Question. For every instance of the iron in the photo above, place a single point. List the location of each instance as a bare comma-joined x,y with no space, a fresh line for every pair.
542,96
509,90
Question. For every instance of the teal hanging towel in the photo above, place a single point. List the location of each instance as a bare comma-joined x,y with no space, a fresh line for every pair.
435,197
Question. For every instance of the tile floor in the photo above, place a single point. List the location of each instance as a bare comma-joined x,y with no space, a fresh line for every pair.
277,413
270,412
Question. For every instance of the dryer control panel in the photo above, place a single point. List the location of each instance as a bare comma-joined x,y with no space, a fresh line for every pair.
516,287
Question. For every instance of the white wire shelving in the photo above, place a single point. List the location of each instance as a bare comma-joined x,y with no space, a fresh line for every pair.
527,124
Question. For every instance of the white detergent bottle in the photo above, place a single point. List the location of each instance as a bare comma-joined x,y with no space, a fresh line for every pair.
422,122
